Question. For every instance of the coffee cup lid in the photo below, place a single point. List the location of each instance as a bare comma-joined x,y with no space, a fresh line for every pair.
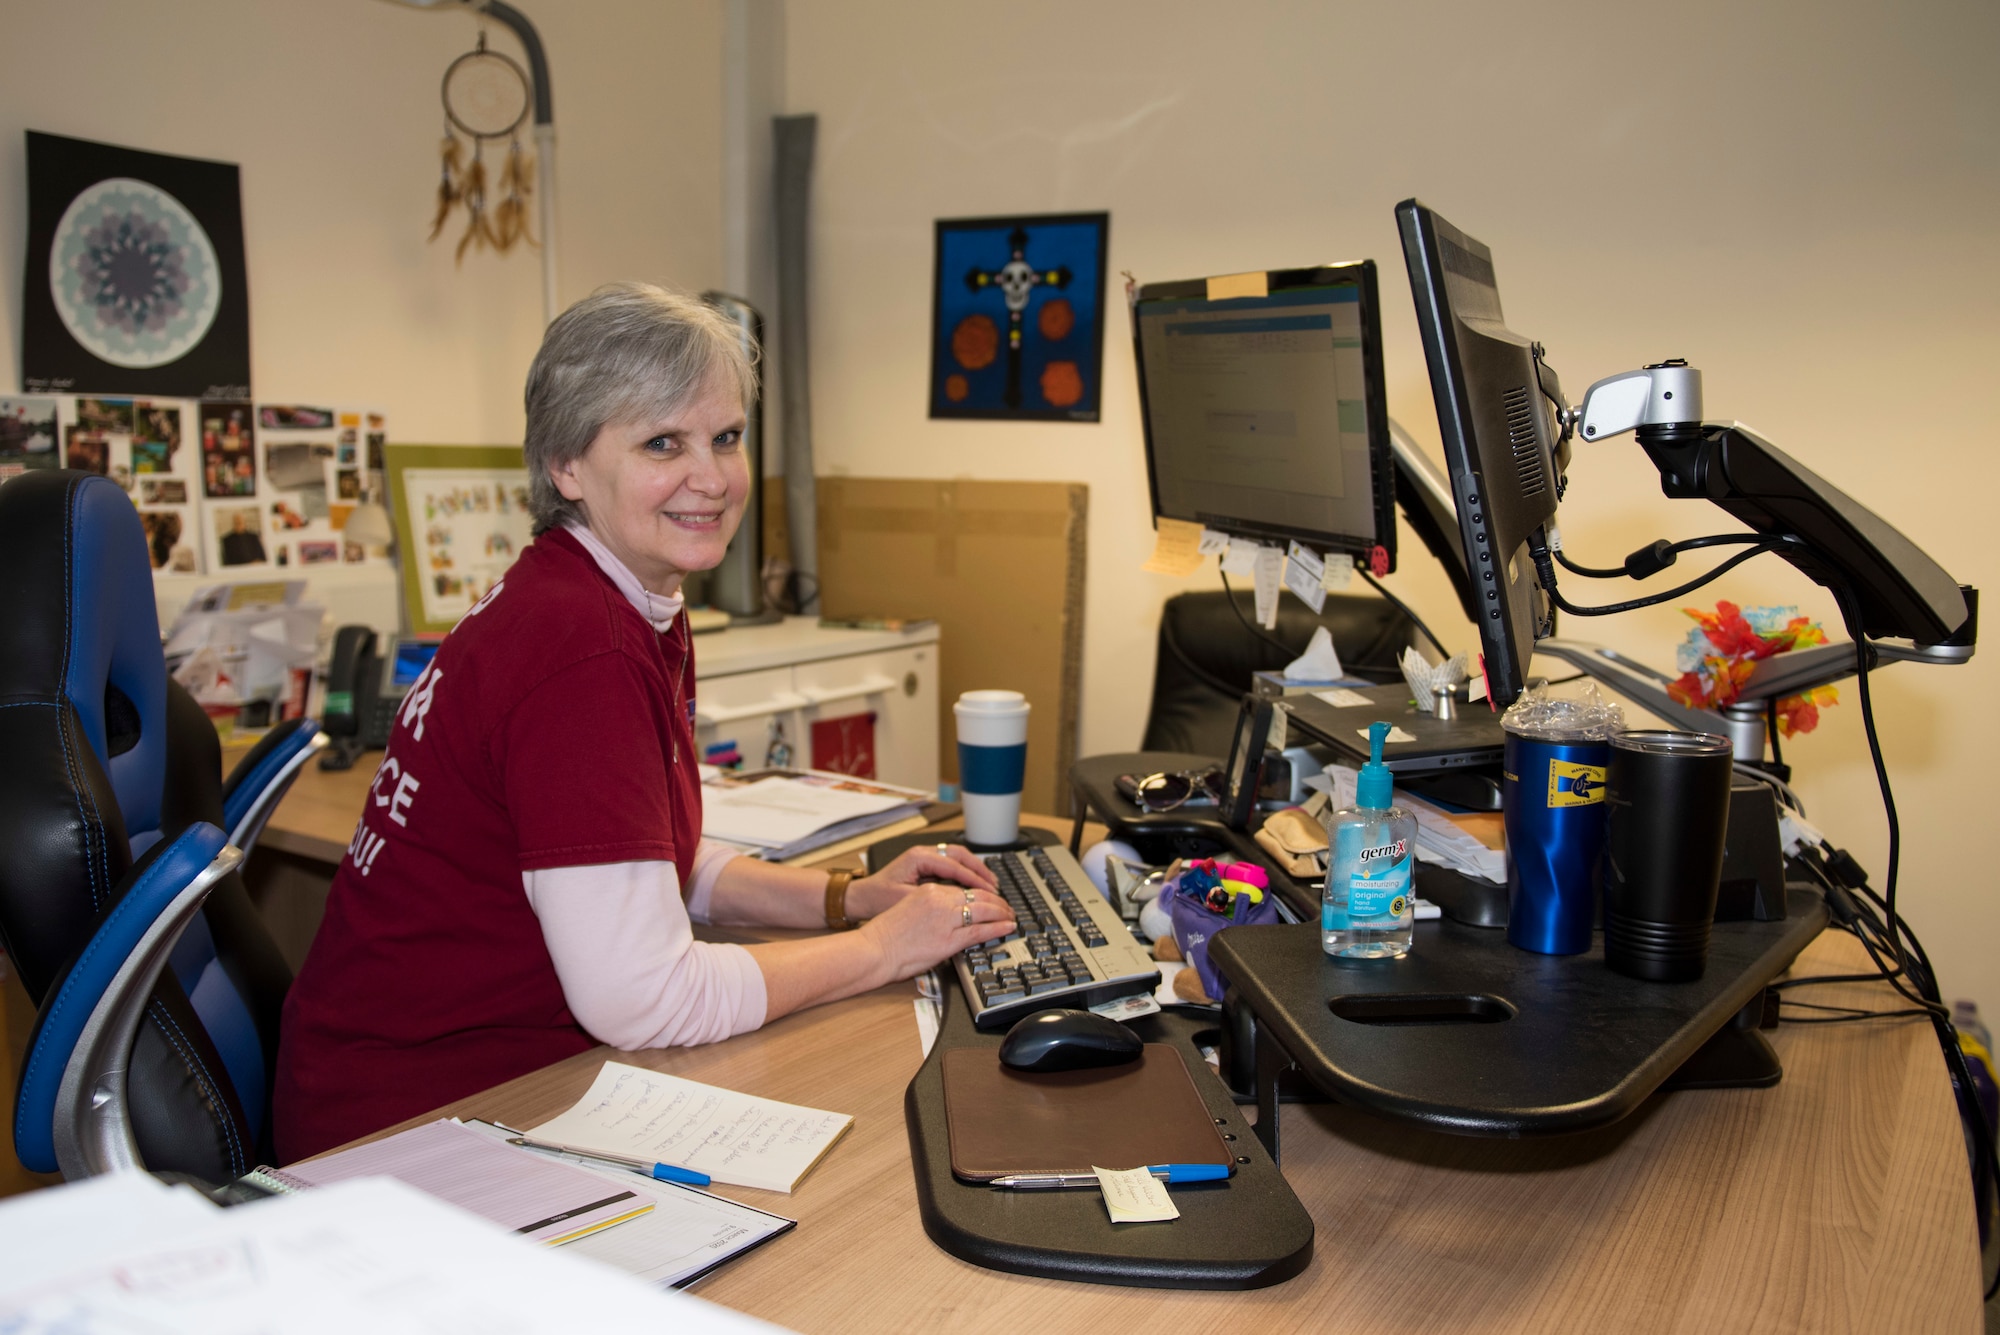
992,702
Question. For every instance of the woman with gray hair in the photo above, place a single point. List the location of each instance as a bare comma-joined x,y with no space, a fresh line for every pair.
526,871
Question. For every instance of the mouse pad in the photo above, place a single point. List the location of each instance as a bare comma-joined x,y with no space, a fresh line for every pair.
1144,1112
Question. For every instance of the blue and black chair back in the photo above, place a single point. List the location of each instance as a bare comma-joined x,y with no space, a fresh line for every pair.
111,788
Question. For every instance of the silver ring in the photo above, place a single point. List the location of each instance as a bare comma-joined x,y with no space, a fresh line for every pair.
965,914
968,894
944,850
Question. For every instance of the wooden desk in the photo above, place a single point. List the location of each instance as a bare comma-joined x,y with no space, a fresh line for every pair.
1837,1201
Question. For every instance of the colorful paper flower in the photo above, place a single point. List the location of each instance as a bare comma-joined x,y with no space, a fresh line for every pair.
1717,660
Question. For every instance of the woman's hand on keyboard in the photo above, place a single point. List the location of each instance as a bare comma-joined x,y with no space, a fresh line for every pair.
930,923
873,895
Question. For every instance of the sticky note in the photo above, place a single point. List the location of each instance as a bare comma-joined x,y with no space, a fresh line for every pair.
1213,543
1396,734
1270,568
1303,573
1241,558
1176,547
1342,698
1134,1196
1339,572
1239,285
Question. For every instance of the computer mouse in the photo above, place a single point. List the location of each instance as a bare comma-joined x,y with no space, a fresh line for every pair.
1065,1040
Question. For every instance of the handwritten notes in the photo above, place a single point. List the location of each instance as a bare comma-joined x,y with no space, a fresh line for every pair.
1176,547
734,1138
1135,1196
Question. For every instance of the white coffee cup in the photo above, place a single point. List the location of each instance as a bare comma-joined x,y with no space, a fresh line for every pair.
992,763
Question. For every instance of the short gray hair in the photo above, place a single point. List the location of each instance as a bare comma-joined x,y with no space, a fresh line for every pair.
625,353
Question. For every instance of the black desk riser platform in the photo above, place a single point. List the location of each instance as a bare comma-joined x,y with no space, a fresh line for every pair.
1471,1036
1245,1233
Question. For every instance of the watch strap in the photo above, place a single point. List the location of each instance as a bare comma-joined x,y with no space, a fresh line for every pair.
836,902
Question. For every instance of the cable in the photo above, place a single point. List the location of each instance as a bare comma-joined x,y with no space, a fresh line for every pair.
1651,600
1272,640
1590,572
1402,607
1668,549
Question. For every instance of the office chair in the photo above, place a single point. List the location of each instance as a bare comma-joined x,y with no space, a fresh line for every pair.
158,988
1208,653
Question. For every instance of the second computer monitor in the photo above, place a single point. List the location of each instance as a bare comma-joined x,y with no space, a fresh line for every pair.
1499,443
1264,407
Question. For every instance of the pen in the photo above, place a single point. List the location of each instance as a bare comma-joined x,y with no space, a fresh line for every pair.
665,1172
1166,1172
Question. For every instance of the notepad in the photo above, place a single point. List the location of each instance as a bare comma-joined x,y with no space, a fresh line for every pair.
735,1138
687,1234
544,1200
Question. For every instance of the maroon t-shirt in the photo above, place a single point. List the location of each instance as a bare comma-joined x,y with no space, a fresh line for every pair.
554,728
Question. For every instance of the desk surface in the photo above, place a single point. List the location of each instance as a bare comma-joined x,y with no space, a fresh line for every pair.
1836,1201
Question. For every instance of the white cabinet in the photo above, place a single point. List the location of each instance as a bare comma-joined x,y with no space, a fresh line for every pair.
758,683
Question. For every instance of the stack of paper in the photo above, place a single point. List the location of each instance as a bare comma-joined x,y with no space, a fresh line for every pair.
119,1254
1471,844
734,1138
783,815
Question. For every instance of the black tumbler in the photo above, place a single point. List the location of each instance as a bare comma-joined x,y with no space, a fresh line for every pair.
1667,800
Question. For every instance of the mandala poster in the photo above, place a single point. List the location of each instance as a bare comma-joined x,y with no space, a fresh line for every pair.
1017,321
135,276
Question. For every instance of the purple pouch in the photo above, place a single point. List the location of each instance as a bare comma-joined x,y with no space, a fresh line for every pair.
1195,923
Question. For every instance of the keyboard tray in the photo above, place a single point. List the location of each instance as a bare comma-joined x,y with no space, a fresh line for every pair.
1246,1233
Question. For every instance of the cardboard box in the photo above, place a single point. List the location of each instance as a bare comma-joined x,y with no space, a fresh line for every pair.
999,566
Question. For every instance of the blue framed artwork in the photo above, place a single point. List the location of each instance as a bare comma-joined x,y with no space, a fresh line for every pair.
1017,319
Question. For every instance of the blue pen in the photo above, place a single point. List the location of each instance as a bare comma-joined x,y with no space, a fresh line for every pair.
664,1172
1167,1172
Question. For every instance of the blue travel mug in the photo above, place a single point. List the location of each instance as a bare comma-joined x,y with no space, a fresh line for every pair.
1553,807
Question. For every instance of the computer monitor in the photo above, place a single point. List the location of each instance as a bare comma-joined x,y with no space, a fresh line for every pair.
1500,440
1264,408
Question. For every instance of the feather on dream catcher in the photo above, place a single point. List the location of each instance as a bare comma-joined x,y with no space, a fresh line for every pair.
487,97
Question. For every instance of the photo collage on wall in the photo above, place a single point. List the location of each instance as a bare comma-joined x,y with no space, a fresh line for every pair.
141,444
316,465
223,487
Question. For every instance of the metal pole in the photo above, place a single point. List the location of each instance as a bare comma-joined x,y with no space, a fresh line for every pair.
545,141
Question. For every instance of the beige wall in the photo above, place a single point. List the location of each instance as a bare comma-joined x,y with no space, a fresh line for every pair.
1799,198
331,108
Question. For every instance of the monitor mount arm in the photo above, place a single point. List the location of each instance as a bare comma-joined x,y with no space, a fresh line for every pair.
1907,607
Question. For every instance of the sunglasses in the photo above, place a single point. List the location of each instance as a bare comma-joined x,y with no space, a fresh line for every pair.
1164,792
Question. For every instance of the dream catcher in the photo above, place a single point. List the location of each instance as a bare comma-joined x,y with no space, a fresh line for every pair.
486,97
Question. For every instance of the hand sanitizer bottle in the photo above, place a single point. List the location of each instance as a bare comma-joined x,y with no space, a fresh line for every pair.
1368,910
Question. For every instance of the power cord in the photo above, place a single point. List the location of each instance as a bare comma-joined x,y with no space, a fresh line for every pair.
1546,569
1258,631
1654,557
1402,607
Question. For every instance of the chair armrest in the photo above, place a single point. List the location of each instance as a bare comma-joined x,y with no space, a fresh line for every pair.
71,1113
260,780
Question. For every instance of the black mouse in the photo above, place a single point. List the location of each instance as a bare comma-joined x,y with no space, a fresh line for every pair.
1062,1040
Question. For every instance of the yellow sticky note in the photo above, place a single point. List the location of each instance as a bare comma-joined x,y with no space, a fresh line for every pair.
1176,547
1225,286
1134,1196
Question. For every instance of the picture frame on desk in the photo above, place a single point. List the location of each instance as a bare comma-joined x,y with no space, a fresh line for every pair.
461,517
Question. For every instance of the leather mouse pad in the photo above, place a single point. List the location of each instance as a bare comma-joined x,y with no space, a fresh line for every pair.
1144,1112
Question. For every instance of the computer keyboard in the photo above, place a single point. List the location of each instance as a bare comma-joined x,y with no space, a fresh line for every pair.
1069,947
